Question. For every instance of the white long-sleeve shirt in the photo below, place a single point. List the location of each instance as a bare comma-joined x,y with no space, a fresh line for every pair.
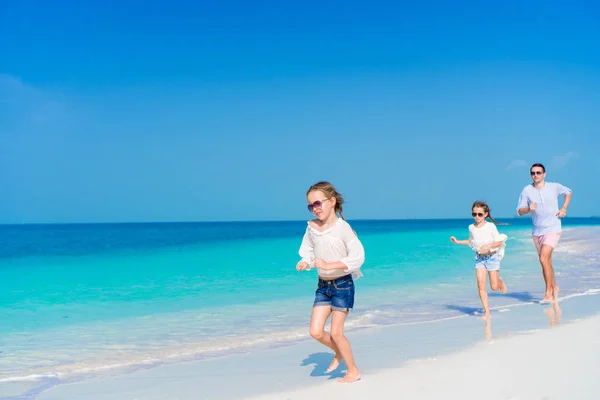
487,234
338,243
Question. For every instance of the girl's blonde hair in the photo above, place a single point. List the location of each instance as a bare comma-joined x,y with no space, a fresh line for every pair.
329,190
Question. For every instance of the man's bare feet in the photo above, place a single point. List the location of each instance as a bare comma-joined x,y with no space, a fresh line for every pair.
334,363
350,377
547,298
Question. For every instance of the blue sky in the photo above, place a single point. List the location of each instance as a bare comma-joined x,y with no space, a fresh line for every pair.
189,111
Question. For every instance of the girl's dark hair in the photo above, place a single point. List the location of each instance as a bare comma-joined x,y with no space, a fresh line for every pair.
486,208
329,190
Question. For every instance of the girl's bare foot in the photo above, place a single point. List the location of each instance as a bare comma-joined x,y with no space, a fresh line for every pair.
485,316
555,294
334,363
350,377
503,288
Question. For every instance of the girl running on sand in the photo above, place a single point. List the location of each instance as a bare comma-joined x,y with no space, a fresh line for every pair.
489,246
332,246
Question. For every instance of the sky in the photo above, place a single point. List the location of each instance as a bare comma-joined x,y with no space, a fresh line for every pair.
134,111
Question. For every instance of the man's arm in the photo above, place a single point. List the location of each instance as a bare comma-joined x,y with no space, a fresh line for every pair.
567,201
523,211
563,211
522,207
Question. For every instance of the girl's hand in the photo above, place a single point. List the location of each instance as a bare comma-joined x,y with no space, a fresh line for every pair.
484,249
302,266
321,264
453,239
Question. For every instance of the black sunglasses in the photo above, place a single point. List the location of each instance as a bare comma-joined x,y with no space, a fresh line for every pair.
317,204
536,173
477,214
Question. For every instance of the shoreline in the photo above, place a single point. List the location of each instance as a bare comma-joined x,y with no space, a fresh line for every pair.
561,363
298,370
289,339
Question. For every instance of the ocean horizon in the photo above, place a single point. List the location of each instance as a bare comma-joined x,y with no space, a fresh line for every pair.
500,218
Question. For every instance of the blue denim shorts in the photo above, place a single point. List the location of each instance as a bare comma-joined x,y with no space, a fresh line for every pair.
337,293
489,262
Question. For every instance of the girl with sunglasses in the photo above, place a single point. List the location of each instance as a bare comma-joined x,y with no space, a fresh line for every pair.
489,246
330,245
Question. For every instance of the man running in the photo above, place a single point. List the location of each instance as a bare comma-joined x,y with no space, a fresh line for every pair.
540,198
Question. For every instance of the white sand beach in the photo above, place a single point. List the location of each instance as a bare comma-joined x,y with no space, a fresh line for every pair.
529,351
560,363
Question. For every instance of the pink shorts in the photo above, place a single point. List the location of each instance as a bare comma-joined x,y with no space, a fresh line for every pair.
551,239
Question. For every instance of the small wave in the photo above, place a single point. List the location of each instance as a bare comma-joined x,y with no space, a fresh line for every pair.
32,377
197,351
588,292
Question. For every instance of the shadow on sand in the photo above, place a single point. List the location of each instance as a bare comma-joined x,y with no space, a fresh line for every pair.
525,297
464,310
321,361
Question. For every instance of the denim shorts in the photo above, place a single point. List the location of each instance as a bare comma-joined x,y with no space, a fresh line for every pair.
337,293
489,262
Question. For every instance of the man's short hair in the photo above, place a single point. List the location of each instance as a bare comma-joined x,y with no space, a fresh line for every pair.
538,165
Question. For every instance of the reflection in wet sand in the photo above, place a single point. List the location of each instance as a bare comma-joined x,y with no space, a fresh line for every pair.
553,312
487,332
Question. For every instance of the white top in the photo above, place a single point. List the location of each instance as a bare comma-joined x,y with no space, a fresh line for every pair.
486,234
337,243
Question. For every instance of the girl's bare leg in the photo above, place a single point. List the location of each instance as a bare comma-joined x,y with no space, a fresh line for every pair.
338,319
480,273
317,330
496,282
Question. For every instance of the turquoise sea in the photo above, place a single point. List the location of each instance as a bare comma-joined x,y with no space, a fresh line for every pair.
81,300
